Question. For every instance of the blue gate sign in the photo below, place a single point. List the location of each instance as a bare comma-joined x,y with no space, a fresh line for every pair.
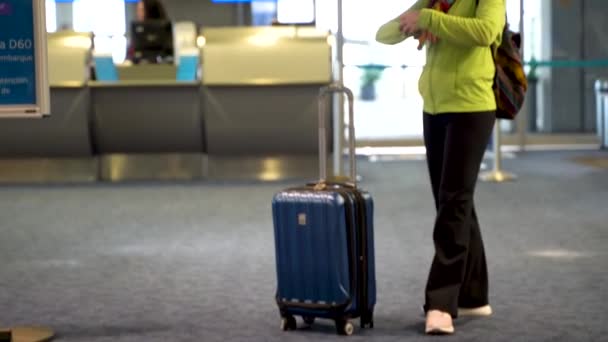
23,80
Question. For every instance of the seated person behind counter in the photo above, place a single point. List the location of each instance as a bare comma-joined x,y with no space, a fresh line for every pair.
151,34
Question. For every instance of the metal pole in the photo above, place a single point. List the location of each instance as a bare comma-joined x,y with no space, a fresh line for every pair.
601,98
523,119
338,119
497,175
604,142
240,14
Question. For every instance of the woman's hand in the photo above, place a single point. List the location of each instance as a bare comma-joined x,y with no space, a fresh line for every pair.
424,37
408,22
432,38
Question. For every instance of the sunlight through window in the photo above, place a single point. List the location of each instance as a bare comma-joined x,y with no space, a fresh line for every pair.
106,19
51,15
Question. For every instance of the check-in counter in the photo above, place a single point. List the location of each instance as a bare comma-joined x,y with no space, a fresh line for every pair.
148,125
57,147
253,116
260,88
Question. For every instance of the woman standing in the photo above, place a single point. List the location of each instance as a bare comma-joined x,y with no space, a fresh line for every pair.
150,9
459,114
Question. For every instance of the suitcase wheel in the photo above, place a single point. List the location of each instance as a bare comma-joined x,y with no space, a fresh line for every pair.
288,323
309,320
344,327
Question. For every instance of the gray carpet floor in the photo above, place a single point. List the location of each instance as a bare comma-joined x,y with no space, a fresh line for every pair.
195,261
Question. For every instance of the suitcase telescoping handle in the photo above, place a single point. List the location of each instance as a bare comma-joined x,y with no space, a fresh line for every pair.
325,91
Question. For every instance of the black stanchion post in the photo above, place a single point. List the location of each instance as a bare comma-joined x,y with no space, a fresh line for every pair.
532,103
6,336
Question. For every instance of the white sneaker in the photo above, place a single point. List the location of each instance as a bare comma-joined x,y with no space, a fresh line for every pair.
482,311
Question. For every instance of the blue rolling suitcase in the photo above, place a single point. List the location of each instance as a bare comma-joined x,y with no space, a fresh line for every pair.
325,245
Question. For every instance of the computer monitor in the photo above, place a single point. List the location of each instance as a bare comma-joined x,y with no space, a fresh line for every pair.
152,41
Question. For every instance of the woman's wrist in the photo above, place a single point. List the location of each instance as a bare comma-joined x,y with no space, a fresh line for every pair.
424,20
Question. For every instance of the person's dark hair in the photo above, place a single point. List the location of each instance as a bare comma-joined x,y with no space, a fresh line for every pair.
154,10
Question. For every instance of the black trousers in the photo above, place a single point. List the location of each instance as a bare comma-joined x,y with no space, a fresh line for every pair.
455,145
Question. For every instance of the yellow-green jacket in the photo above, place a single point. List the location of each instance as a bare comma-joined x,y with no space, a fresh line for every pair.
459,70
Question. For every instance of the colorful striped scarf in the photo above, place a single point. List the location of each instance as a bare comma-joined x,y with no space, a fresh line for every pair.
441,5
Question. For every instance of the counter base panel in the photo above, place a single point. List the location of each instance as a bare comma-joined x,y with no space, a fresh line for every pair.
63,134
48,170
265,120
138,120
120,167
264,168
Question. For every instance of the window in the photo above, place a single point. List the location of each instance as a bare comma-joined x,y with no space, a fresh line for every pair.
106,19
263,12
295,11
514,14
51,15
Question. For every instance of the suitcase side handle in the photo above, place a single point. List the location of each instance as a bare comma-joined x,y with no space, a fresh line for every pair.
323,92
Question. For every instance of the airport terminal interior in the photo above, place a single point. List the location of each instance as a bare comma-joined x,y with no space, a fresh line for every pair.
140,209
